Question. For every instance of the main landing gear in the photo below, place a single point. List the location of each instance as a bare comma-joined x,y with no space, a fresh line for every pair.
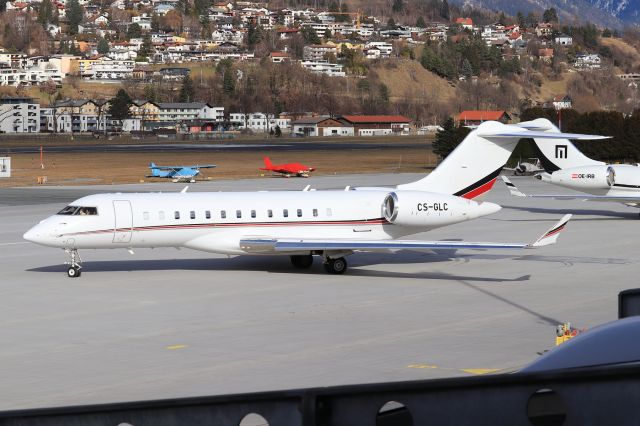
335,266
75,264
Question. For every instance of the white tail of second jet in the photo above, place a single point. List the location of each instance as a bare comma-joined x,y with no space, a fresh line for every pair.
473,167
561,154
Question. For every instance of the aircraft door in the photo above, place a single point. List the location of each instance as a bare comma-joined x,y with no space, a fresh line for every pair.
123,221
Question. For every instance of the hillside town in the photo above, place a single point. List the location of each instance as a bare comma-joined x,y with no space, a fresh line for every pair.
159,51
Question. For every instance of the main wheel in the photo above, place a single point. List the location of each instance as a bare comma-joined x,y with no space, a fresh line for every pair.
336,266
302,261
73,272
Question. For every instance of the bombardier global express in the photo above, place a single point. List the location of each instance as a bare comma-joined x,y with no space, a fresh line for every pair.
301,224
566,166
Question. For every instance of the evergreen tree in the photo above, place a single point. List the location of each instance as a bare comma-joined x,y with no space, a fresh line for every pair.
445,140
550,15
466,69
310,36
254,34
45,13
277,131
187,91
444,10
120,105
397,6
134,31
155,22
150,93
201,7
103,46
74,15
391,24
228,82
146,49
383,91
420,22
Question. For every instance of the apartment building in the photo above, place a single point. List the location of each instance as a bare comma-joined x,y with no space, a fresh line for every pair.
19,115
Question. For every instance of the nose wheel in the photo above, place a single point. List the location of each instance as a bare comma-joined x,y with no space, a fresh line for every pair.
75,263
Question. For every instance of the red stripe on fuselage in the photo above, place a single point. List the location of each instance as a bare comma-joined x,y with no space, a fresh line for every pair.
480,190
236,224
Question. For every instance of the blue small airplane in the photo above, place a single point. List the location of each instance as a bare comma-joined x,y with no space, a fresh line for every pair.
178,173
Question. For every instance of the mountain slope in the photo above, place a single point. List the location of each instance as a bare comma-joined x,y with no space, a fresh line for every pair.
604,13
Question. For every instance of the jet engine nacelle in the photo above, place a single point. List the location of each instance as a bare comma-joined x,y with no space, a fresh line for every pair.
586,177
428,209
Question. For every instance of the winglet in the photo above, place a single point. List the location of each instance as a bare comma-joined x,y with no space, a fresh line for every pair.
551,235
512,188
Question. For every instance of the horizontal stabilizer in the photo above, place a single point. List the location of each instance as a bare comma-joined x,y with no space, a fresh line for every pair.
542,135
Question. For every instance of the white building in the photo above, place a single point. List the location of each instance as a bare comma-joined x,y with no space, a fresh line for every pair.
324,67
176,111
112,70
588,61
318,52
19,115
384,48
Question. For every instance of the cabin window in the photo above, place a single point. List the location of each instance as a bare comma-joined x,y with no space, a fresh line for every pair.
315,212
253,213
239,214
223,214
192,214
176,214
299,212
161,215
270,213
329,212
145,215
207,214
285,213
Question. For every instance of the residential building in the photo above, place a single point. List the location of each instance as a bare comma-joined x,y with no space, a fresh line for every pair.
19,115
562,102
179,111
588,61
564,40
324,67
319,52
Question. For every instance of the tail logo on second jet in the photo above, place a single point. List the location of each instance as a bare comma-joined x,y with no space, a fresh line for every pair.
561,151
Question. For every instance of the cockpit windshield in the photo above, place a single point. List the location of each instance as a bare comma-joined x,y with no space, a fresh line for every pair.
79,211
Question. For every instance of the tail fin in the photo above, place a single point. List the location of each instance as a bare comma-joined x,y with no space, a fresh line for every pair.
267,163
152,165
472,168
560,154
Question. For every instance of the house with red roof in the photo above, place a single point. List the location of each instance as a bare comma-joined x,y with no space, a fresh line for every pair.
465,22
377,125
470,118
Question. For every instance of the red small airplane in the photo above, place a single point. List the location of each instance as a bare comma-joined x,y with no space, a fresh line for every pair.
288,169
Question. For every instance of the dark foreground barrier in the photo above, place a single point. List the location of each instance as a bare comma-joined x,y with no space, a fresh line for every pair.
594,396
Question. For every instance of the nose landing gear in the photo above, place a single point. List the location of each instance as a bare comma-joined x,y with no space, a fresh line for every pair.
75,264
335,266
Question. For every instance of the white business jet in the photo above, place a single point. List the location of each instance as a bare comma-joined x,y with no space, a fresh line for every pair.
566,166
330,224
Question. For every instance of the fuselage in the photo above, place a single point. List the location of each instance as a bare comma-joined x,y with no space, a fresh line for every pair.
612,180
216,222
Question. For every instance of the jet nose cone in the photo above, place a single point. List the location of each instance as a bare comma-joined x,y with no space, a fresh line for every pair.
487,208
32,235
